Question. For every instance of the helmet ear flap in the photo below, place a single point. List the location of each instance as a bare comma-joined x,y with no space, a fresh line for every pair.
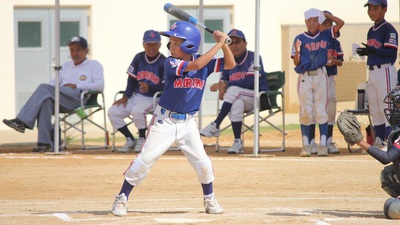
188,47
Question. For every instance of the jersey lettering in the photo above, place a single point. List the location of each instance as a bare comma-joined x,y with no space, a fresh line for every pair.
314,46
238,76
375,43
147,75
189,83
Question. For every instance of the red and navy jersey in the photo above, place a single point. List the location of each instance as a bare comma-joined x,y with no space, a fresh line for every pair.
243,74
313,50
383,37
335,49
142,69
183,91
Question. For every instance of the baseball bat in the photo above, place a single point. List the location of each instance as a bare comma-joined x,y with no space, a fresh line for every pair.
182,15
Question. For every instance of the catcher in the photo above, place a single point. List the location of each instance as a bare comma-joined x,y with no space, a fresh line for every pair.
390,175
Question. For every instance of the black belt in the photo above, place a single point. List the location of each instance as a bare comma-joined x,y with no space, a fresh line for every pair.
372,67
378,66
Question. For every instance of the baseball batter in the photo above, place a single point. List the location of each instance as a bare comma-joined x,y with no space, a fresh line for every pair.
145,78
381,49
236,88
310,54
174,118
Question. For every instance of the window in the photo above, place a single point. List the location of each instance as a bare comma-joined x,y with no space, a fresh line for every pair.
29,34
216,25
67,31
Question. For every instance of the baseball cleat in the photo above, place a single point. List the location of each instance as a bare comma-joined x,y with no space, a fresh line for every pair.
129,144
15,124
212,206
332,149
42,148
322,150
306,151
314,148
237,147
210,130
139,144
119,206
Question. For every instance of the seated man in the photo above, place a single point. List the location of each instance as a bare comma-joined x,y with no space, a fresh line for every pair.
236,88
80,74
145,75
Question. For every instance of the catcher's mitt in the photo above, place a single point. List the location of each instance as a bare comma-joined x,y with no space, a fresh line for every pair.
349,126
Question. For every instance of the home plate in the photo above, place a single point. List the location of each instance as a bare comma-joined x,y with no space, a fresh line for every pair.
179,220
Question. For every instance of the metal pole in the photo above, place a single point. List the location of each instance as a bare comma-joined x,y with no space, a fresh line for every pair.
57,84
257,68
201,20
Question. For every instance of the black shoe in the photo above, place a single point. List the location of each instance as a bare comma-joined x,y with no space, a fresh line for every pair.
15,124
41,148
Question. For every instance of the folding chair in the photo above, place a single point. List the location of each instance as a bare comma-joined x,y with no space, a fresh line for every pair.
156,96
268,101
83,114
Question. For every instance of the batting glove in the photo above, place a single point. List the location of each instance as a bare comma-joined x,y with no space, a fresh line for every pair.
366,51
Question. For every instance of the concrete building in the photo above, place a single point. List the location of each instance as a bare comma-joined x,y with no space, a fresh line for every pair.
114,30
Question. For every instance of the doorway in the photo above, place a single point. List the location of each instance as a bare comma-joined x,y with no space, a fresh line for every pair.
34,39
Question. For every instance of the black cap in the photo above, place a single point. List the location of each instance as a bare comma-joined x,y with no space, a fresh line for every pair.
79,40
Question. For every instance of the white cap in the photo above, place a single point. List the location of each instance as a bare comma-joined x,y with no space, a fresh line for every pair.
315,13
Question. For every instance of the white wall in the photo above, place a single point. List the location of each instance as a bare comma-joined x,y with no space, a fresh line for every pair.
117,28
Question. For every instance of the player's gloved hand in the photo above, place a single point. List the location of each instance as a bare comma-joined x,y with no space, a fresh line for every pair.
366,51
349,126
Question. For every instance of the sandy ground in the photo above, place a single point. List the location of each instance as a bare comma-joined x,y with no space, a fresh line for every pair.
78,186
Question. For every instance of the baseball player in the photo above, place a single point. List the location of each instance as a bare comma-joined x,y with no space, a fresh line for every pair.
310,54
390,175
174,118
145,78
381,49
79,74
335,59
237,90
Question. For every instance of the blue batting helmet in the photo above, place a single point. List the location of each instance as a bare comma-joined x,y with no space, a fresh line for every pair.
187,32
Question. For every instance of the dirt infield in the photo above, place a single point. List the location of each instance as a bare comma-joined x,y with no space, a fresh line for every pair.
274,188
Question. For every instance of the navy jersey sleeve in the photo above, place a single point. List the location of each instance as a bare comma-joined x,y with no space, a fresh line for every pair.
383,157
339,50
131,82
130,86
263,84
134,66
